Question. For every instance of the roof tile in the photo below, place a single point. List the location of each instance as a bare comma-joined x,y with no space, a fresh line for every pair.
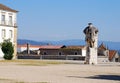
102,47
111,54
3,7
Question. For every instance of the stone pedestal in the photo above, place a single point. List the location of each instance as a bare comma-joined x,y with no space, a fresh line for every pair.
93,56
91,44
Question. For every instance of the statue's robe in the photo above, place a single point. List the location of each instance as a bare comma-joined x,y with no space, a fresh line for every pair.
90,33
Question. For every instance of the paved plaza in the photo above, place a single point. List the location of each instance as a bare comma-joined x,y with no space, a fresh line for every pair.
73,72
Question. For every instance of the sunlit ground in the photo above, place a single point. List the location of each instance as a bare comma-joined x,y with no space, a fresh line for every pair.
57,71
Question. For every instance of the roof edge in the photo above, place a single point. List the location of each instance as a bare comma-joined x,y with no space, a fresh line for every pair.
4,7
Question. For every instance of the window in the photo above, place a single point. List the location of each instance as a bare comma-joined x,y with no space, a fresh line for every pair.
60,53
76,53
10,20
3,33
10,33
45,53
3,19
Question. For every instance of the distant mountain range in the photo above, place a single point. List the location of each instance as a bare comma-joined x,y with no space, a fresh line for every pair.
25,41
109,44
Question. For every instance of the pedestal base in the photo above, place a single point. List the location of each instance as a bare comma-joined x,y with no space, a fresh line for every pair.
91,57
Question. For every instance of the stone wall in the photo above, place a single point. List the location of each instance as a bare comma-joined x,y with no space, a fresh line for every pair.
52,57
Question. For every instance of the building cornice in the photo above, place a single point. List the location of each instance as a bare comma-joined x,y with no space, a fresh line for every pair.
9,26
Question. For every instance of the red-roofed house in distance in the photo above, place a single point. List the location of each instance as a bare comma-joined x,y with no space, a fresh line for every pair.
114,56
72,52
106,55
103,53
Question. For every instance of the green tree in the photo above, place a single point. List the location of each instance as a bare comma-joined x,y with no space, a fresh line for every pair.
7,49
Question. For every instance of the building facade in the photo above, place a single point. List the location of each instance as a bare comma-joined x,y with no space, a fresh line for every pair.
21,48
106,55
73,52
54,49
8,27
103,53
114,56
60,52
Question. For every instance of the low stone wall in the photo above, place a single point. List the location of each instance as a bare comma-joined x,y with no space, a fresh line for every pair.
53,57
28,57
102,59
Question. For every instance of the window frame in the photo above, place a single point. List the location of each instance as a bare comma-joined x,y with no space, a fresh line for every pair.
3,19
3,34
10,20
10,34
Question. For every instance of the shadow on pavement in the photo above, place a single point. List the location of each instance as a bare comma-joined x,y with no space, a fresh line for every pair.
103,77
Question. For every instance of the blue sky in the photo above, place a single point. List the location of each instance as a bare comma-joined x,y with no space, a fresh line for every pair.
65,19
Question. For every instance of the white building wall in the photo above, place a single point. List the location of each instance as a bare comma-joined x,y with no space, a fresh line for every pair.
21,49
83,52
7,27
34,48
18,49
7,33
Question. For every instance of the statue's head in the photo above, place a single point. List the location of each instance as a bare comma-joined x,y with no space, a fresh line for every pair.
94,29
86,30
89,24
